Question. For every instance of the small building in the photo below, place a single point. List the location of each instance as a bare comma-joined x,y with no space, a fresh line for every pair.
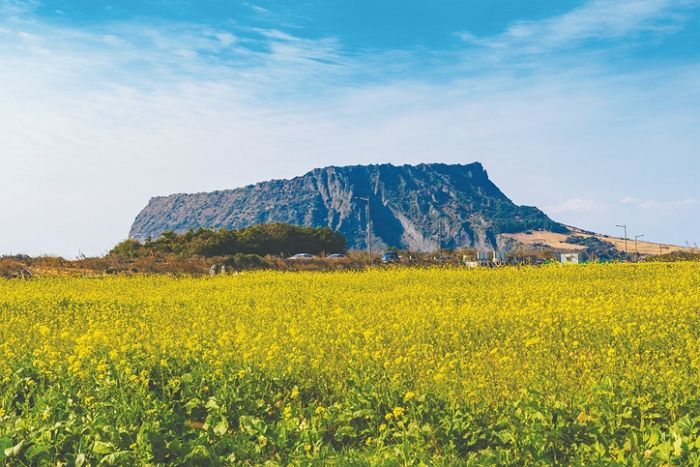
569,258
483,258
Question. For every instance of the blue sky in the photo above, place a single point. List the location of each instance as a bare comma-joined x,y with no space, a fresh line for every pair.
587,109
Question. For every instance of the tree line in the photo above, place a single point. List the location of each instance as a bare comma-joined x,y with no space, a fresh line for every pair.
262,240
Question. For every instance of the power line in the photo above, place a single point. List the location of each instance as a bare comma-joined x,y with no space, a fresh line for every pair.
624,226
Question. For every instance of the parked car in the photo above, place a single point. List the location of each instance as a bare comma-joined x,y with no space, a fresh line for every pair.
390,257
302,256
336,256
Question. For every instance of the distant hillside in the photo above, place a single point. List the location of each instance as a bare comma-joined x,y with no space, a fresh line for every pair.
564,242
409,206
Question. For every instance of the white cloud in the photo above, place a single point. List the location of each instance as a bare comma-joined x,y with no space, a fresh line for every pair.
596,19
94,123
659,205
258,9
226,38
582,205
17,8
576,205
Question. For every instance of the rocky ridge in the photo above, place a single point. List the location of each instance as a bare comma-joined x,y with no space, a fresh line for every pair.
411,205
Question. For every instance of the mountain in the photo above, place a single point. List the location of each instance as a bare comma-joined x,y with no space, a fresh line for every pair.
410,205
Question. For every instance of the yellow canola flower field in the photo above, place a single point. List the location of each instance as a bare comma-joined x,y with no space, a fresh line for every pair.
593,364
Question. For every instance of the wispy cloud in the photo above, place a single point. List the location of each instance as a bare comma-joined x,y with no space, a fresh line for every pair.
268,63
658,205
594,20
101,118
577,206
582,205
16,8
258,9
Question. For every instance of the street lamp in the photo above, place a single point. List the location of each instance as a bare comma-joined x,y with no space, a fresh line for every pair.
624,226
369,227
636,250
439,237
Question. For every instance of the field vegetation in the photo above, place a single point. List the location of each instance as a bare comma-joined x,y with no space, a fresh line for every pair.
584,365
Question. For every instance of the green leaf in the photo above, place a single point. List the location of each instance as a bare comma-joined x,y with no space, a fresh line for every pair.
251,425
38,451
117,458
212,404
101,447
677,445
198,453
221,428
345,432
5,443
653,438
14,450
193,403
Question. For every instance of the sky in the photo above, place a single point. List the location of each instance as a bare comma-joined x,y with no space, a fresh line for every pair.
588,109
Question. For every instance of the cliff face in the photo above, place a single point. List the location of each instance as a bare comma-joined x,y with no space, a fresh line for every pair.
409,206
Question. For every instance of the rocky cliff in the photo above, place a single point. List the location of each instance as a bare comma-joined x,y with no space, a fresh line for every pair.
410,206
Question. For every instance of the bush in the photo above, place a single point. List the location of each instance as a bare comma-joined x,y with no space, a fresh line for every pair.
127,249
245,261
675,256
261,240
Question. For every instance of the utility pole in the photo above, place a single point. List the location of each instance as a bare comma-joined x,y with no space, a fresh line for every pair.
636,249
624,226
369,227
440,239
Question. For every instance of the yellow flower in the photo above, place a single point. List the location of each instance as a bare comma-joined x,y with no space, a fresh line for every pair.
582,417
492,338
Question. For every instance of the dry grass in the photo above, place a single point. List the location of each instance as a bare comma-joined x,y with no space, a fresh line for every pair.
49,266
550,239
558,241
